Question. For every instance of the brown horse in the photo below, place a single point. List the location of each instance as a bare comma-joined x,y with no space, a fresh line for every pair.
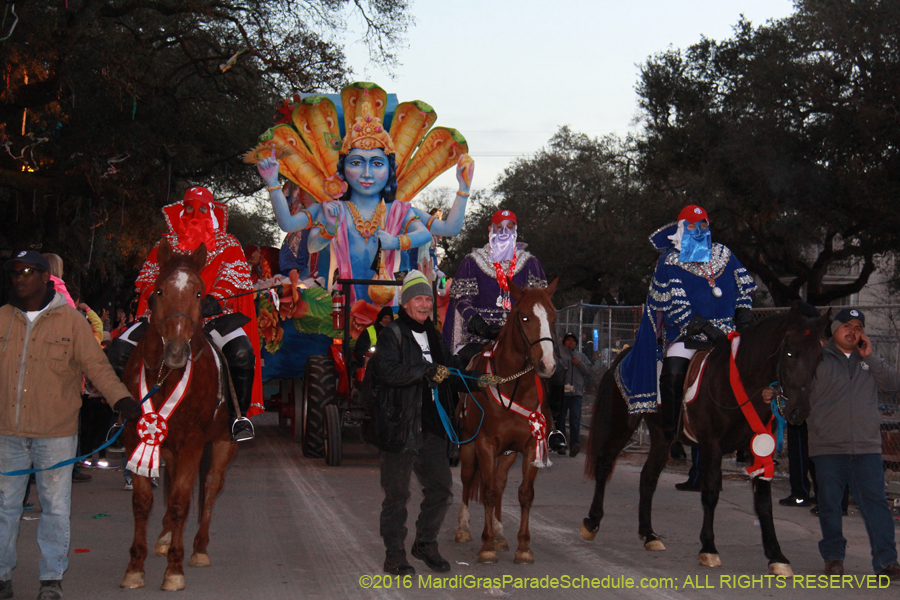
198,438
523,353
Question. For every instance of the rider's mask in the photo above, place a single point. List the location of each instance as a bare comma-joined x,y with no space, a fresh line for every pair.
502,238
696,242
198,222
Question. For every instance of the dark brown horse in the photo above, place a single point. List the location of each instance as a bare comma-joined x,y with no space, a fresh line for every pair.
198,438
784,348
525,344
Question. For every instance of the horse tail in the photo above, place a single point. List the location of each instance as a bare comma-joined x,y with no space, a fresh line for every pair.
601,417
205,466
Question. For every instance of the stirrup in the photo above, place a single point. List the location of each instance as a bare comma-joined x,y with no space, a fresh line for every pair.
242,434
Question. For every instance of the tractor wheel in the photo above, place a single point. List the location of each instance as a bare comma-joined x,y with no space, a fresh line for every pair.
333,448
319,389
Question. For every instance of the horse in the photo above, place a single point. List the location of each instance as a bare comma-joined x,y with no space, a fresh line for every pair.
175,351
522,354
784,348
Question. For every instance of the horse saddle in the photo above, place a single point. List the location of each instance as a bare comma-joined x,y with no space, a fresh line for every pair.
691,386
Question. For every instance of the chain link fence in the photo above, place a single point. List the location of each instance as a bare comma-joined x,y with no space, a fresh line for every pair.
604,331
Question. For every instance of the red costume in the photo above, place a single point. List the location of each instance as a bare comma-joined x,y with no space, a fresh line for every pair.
226,272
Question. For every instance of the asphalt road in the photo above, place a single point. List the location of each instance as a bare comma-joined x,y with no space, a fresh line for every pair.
290,527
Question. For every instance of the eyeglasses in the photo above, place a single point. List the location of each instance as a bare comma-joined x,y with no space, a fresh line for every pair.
26,272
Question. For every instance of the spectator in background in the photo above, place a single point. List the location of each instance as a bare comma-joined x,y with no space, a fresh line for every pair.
91,316
578,372
55,263
369,337
845,442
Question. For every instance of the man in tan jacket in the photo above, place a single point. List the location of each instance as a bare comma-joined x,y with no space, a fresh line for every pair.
45,346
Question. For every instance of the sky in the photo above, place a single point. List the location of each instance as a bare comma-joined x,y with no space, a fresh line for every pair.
508,74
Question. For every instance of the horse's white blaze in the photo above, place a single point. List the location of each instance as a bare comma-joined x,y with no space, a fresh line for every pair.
181,280
547,358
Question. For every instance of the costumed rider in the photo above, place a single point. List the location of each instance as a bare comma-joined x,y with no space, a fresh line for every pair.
702,292
229,322
479,295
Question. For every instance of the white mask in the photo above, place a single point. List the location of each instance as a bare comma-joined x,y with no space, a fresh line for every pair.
503,244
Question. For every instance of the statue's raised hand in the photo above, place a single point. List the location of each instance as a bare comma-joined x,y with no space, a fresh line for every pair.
268,169
465,170
388,241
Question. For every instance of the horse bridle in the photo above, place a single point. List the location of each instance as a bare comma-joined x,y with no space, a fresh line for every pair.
526,368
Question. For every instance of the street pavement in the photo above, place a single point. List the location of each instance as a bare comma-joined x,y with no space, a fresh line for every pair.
290,527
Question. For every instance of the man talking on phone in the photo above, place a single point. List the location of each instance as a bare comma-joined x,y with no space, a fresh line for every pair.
845,442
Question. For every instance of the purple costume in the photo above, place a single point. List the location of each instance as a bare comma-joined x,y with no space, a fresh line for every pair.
475,289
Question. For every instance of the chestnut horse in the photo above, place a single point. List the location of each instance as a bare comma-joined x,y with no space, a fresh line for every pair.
784,348
198,438
523,353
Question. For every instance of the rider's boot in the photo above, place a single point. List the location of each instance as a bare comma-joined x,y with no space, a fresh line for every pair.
242,367
671,392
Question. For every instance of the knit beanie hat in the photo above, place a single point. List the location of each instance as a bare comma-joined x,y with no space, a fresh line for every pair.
414,284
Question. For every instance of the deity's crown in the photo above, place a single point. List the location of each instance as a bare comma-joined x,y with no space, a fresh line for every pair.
367,132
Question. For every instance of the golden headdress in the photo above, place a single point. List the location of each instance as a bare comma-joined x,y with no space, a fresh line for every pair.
309,145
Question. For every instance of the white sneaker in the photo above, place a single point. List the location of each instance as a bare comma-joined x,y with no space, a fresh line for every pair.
128,486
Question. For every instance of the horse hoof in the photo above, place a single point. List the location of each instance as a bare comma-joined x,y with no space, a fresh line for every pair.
524,557
501,545
463,536
172,583
587,534
781,569
132,581
162,544
199,559
709,560
654,546
487,556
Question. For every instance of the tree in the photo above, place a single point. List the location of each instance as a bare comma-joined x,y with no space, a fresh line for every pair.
789,135
112,107
578,206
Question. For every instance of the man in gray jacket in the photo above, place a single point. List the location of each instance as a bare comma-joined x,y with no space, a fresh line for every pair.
577,367
845,442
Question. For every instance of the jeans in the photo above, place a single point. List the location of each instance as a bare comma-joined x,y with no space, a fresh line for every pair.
55,492
572,406
432,469
865,475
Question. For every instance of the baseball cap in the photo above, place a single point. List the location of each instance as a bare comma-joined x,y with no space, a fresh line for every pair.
503,215
849,314
692,214
29,257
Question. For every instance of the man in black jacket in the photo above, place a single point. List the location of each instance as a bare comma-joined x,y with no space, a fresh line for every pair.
409,366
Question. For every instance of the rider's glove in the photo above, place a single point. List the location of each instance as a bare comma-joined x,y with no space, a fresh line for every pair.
698,325
210,307
478,326
743,318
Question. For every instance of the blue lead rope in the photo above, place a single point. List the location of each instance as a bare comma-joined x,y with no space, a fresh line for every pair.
70,461
779,421
445,419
